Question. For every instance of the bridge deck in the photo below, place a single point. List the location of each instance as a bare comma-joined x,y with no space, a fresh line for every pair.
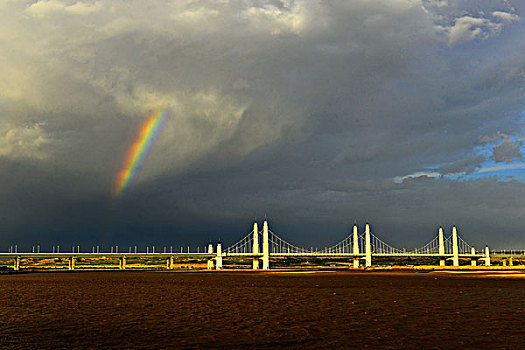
351,255
207,255
106,255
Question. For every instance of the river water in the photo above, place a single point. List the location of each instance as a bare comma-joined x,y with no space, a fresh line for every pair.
231,310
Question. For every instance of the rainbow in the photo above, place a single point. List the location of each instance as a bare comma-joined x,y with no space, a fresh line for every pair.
139,150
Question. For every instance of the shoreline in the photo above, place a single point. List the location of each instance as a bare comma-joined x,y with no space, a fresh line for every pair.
492,272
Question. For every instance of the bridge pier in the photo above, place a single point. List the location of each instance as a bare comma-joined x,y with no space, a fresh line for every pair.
255,249
122,263
356,263
487,256
368,247
473,261
71,265
266,247
16,263
218,258
169,263
455,250
210,261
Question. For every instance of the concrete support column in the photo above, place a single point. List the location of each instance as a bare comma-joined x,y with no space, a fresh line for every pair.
266,247
169,263
71,265
368,247
122,263
356,263
355,245
487,256
473,262
455,250
255,263
511,262
219,256
255,245
441,247
16,263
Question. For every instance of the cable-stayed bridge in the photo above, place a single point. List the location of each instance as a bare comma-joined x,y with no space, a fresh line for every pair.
263,244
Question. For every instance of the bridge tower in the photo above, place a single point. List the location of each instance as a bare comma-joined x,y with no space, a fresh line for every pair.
441,247
487,256
266,247
210,261
455,250
368,247
355,238
219,256
255,245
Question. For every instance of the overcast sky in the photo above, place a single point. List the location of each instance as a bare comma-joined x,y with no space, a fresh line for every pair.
405,113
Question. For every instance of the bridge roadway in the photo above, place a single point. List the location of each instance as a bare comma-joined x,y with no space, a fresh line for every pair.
508,253
106,255
211,257
72,257
361,256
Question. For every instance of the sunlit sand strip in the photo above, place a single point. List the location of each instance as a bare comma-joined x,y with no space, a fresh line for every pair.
487,274
302,272
492,269
465,269
507,275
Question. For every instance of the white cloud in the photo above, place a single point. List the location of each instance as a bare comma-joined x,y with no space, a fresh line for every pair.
439,3
277,20
468,28
24,142
505,16
462,21
418,174
45,8
500,168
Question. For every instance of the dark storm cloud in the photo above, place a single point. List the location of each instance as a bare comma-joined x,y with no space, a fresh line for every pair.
314,113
